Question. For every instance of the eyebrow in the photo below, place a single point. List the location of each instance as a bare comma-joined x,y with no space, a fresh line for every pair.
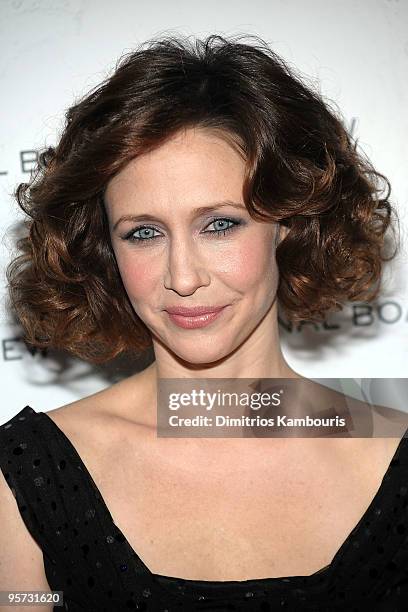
196,212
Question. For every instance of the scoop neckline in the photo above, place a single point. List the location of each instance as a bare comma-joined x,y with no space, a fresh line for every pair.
278,581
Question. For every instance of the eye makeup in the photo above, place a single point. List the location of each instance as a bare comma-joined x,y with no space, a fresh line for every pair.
216,233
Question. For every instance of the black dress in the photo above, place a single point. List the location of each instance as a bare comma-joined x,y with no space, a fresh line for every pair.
88,558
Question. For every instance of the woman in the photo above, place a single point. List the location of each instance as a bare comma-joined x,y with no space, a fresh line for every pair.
208,176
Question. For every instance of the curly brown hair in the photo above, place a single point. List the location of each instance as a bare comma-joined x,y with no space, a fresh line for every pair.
302,171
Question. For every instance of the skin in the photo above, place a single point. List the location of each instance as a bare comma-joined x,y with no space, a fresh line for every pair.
186,265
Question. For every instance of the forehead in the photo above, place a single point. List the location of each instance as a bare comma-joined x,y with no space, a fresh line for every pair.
195,162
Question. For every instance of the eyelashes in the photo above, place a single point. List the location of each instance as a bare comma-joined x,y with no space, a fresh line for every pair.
131,236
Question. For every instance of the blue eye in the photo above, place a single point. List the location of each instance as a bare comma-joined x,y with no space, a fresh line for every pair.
145,229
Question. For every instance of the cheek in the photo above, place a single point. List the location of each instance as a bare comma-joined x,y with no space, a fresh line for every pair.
251,263
137,275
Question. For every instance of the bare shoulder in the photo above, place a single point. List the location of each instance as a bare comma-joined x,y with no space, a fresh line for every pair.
389,421
100,427
111,402
118,415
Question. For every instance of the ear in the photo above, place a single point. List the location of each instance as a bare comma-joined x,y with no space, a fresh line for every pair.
281,232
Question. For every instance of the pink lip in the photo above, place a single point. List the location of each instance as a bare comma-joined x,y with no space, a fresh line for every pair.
193,322
194,311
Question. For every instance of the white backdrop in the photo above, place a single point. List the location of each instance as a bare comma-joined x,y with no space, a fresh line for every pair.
53,51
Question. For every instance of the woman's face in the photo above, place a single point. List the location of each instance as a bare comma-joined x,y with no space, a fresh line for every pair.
169,254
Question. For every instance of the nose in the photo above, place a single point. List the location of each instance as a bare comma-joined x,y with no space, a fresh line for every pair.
187,269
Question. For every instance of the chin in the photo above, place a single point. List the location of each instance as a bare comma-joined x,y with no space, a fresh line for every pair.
199,355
